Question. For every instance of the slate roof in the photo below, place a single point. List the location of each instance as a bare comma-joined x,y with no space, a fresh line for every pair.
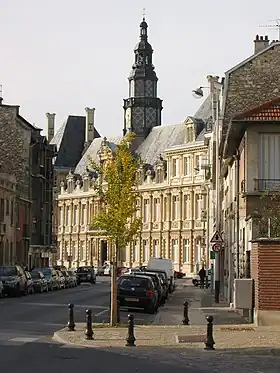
70,142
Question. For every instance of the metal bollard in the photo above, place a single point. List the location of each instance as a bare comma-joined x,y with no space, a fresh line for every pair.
89,331
118,312
186,320
209,342
130,338
71,325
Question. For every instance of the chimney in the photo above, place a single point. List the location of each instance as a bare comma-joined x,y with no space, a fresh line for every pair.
89,130
261,43
50,120
1,97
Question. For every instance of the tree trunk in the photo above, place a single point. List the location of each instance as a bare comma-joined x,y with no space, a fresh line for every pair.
113,311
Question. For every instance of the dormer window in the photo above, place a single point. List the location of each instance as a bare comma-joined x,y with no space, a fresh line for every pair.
190,134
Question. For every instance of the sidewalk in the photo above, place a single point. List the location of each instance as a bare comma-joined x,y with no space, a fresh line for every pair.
239,348
201,303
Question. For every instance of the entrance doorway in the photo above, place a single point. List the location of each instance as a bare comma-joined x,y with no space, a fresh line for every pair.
103,252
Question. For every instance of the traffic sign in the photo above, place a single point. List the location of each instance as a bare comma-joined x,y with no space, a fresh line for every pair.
212,255
217,247
217,237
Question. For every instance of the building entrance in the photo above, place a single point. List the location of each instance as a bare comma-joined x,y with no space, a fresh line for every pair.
103,252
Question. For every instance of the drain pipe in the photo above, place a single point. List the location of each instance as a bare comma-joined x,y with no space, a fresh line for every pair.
237,192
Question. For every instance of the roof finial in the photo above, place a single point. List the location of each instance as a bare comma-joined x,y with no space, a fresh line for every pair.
144,14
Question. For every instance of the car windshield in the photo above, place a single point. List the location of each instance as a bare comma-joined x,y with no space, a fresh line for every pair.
35,275
8,271
83,269
136,282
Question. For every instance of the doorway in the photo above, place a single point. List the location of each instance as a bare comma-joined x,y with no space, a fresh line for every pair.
103,252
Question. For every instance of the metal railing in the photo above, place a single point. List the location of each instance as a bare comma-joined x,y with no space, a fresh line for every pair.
262,185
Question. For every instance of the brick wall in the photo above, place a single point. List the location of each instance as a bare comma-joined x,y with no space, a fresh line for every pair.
265,270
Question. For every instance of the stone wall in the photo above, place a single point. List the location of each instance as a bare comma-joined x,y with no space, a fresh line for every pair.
253,84
265,270
14,147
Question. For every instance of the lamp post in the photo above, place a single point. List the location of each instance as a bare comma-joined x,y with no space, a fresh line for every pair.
215,89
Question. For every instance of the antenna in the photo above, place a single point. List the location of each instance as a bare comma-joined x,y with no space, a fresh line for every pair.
275,26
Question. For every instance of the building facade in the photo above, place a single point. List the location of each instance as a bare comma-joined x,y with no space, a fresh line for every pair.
8,231
250,156
173,205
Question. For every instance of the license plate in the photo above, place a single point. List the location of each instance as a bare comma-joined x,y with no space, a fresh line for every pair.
132,299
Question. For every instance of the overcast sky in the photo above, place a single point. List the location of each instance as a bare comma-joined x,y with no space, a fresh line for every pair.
63,55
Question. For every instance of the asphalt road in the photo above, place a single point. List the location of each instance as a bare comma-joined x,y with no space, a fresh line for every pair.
27,325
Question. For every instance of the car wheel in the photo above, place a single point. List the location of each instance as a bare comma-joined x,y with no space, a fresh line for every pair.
195,282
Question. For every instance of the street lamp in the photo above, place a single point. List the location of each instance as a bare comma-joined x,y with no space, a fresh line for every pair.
198,92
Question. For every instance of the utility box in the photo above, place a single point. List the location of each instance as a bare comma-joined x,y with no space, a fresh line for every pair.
243,293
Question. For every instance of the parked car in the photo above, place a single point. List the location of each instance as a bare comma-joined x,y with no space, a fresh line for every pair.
165,281
40,283
30,287
86,274
51,277
196,279
67,278
1,289
73,278
14,280
157,282
179,274
62,280
137,292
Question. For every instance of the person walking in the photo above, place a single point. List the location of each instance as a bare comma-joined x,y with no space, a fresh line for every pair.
202,275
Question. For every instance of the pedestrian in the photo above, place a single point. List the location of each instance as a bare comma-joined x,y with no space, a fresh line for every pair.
202,275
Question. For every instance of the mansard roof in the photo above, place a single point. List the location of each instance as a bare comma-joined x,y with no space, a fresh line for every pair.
70,141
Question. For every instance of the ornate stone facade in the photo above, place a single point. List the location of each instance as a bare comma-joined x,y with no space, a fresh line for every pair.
173,205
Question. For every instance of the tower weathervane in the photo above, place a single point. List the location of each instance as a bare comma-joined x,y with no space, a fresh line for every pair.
144,13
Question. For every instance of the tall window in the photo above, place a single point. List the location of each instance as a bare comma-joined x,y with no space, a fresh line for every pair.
187,206
76,218
175,167
67,216
175,251
2,209
197,164
165,208
186,250
145,251
156,209
83,220
198,206
156,249
82,250
269,155
146,210
187,166
175,207
136,252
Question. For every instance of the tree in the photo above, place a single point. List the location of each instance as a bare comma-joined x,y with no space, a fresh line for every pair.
268,215
118,192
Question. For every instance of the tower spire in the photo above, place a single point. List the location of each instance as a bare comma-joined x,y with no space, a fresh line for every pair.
144,27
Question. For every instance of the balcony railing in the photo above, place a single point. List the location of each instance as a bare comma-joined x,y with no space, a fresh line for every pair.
269,185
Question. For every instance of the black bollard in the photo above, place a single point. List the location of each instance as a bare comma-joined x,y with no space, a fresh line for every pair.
89,331
186,320
209,342
130,339
71,325
118,312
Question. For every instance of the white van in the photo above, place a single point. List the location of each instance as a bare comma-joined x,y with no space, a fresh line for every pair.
163,265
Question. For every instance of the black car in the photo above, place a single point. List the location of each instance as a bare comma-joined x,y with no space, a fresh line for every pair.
158,282
163,275
85,274
40,283
137,291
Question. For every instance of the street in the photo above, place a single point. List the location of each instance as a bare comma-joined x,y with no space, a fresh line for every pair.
27,325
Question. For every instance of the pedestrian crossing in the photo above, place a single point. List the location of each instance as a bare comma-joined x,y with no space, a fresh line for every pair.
17,339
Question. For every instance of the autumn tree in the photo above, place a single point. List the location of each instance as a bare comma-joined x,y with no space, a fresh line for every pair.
118,192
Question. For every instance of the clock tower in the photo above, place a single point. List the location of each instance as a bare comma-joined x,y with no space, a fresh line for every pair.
142,110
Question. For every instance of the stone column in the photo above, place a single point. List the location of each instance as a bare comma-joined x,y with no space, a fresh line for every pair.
161,222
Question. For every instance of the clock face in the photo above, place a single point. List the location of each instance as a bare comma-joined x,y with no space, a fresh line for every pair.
128,118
